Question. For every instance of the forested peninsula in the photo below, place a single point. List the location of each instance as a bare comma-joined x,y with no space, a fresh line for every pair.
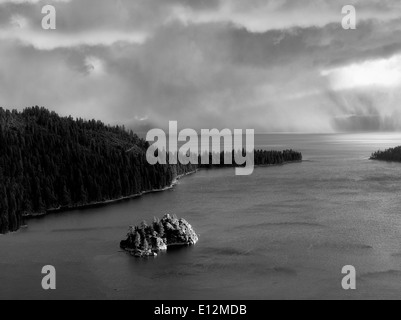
50,163
390,155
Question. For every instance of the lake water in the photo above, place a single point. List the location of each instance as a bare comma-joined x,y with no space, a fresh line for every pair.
285,232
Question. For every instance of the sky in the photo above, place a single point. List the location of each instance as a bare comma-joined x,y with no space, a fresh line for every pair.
268,65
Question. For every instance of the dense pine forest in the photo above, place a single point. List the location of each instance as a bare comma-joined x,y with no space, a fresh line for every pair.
393,154
51,162
47,162
261,158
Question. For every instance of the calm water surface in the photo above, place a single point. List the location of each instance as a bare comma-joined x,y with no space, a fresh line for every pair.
282,233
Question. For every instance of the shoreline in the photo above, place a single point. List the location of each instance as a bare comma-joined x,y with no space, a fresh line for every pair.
280,164
382,160
107,202
131,197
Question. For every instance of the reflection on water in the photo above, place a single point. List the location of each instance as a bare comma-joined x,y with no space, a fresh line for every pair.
284,232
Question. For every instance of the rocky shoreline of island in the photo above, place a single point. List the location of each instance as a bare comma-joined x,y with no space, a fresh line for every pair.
149,240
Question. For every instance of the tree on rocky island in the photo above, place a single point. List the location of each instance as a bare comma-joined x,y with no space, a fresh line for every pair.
145,245
137,241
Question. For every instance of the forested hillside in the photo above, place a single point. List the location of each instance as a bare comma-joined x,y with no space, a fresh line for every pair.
47,162
51,162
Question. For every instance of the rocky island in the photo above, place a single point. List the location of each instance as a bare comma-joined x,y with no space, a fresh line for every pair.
148,240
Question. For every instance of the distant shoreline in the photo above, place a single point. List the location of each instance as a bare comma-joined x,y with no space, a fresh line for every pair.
280,164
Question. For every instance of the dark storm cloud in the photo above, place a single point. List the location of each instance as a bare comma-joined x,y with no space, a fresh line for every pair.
326,46
203,5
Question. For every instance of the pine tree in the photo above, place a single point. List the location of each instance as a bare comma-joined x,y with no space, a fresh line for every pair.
137,240
145,245
161,231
